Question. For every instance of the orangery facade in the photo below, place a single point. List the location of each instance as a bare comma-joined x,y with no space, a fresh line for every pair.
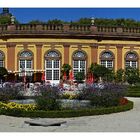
45,48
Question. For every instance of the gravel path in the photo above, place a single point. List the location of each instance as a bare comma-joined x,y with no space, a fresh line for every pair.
128,121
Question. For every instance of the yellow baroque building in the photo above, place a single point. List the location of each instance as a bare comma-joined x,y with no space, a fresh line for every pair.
38,48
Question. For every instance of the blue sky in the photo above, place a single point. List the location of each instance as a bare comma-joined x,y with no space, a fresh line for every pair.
67,14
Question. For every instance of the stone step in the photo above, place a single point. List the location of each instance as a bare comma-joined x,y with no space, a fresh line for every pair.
44,123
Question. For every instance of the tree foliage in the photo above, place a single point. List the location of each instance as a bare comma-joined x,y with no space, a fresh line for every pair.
3,73
55,21
132,75
66,68
80,76
108,22
7,20
83,21
98,70
119,75
36,22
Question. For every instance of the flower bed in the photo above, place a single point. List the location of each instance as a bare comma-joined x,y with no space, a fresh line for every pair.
19,107
90,100
12,110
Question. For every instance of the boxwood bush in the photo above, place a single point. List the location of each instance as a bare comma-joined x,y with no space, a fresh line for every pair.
47,98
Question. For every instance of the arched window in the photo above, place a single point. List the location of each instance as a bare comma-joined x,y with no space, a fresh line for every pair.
26,54
52,66
107,59
52,54
26,63
131,60
79,62
1,59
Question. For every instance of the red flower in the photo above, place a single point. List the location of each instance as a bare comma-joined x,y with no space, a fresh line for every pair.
123,101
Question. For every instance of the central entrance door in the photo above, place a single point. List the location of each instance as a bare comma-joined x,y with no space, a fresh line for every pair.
52,67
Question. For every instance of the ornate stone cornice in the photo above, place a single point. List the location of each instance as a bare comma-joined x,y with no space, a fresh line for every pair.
66,44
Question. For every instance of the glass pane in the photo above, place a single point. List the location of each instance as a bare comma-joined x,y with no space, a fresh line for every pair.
75,64
131,56
48,74
127,64
103,63
56,75
106,55
22,64
109,64
29,64
1,63
52,54
56,64
82,70
134,64
79,54
48,63
82,64
25,54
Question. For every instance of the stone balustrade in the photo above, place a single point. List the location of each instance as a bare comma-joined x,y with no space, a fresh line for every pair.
67,28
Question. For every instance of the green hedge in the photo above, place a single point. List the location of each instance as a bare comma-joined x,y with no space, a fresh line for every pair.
68,113
133,91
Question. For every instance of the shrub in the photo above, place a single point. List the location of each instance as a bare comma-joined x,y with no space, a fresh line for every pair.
69,96
108,96
17,107
47,99
11,91
132,75
99,71
119,75
3,72
80,76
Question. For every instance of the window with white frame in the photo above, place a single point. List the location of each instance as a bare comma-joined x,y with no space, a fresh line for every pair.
131,60
25,63
1,59
52,66
107,60
79,62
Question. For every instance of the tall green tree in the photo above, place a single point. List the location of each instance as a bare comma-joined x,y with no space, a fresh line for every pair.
7,20
100,71
119,77
132,75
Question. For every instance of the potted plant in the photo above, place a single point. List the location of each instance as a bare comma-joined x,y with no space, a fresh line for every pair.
80,76
65,70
